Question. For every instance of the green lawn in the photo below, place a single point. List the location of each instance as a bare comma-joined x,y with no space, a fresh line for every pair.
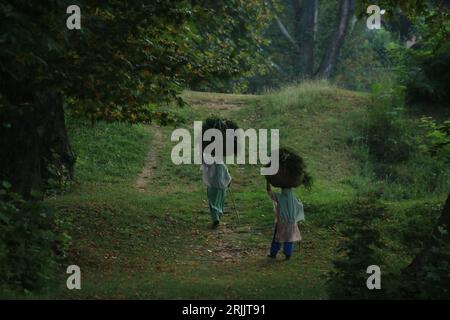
153,241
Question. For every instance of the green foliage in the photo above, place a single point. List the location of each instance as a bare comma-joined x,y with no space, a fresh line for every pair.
411,225
229,42
433,282
360,247
429,276
127,56
393,147
364,59
387,234
282,65
437,141
32,241
424,68
388,138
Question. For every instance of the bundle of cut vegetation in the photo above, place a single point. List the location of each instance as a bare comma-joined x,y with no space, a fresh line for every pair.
292,171
222,125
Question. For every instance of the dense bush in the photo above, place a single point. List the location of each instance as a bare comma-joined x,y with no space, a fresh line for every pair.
31,241
371,234
397,150
389,134
424,69
428,276
433,282
359,248
437,139
364,60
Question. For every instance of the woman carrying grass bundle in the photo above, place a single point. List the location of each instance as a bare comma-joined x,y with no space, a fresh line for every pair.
216,175
288,209
217,179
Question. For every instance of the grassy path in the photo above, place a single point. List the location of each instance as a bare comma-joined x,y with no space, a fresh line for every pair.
143,233
150,162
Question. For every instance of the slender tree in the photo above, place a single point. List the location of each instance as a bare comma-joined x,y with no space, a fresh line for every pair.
305,13
301,31
331,55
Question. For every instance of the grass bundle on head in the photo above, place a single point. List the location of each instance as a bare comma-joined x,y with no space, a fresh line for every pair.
222,125
292,171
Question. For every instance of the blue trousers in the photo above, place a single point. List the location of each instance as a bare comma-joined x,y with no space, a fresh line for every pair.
288,247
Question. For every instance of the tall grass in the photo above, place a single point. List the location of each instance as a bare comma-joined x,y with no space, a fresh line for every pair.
389,144
312,94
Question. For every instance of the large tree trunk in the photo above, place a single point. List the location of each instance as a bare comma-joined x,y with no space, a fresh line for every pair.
331,55
305,13
34,146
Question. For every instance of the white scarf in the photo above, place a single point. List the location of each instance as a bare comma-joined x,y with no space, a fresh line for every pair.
216,175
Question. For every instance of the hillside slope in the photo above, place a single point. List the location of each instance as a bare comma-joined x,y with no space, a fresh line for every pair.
140,230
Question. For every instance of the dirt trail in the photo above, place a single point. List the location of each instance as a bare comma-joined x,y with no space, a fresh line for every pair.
151,159
225,244
221,105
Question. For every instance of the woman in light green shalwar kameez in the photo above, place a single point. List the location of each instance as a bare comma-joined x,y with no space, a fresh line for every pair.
288,212
217,179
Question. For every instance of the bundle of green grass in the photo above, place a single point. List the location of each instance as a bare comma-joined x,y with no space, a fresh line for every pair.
292,171
222,125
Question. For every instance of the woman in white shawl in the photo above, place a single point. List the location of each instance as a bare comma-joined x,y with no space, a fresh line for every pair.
288,212
217,179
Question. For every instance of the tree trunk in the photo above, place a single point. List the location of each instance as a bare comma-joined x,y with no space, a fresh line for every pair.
34,145
331,55
316,19
444,219
285,32
304,24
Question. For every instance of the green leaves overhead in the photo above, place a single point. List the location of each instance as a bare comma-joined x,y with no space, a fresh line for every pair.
128,54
